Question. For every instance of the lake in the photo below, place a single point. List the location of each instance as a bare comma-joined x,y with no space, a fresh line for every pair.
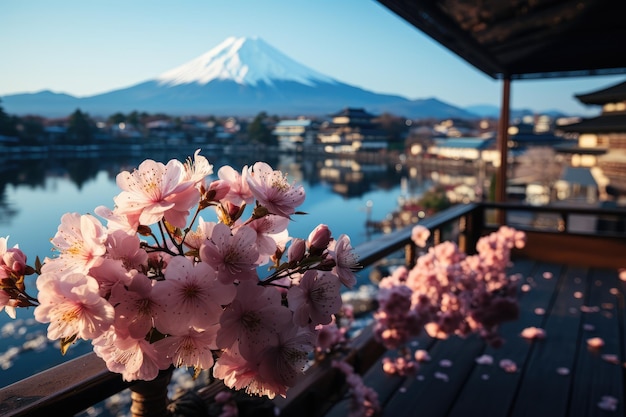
35,192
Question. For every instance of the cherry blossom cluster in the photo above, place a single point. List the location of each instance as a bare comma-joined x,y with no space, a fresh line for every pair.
152,284
333,336
363,399
448,292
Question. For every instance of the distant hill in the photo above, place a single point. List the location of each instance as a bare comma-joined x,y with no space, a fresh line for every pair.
240,76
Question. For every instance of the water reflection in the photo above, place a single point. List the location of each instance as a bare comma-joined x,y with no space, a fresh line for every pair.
346,177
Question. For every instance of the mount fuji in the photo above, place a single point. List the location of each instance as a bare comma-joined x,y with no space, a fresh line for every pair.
239,77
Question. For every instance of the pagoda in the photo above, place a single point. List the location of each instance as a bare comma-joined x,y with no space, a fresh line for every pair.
602,139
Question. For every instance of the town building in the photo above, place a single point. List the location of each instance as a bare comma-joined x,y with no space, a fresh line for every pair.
352,130
464,148
602,140
295,135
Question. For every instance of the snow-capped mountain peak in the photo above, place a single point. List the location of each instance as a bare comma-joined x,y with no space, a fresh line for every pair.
245,61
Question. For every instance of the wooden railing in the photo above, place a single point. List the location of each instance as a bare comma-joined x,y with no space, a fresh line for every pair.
560,234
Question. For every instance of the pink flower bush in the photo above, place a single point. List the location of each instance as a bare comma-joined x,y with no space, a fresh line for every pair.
153,285
449,292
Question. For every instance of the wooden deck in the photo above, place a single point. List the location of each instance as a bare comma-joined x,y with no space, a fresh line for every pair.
559,375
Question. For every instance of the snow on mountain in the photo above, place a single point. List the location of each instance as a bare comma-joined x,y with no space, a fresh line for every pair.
245,61
240,76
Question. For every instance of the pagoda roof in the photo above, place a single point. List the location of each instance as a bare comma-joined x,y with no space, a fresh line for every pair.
612,94
523,39
353,112
605,123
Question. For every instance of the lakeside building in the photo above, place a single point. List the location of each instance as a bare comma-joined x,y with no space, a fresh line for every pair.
464,148
352,130
294,135
602,140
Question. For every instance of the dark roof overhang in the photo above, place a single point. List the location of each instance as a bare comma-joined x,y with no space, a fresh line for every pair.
606,123
613,94
525,39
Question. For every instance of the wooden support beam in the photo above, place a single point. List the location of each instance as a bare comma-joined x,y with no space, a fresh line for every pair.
503,146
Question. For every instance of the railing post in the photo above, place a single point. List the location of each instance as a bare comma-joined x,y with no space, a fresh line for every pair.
474,224
562,226
410,255
437,235
149,398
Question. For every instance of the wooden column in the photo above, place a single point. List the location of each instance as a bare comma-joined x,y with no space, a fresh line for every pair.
150,398
503,146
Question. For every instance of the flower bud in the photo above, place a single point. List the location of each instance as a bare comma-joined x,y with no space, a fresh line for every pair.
296,250
15,260
218,190
228,213
319,239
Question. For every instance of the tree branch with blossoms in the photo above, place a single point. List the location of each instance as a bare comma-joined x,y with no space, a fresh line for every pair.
192,296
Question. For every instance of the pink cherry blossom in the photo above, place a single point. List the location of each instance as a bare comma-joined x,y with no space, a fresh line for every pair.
272,190
508,365
271,231
420,235
190,348
197,169
80,240
533,333
135,309
254,319
155,191
73,306
595,342
285,360
400,366
117,221
7,304
315,299
422,355
135,359
12,260
189,295
233,256
363,399
239,373
329,335
125,247
608,403
110,273
346,261
239,192
195,238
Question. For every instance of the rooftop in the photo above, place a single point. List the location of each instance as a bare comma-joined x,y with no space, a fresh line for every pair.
612,94
517,39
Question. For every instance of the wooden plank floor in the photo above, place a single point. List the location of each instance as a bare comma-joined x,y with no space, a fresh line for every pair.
559,375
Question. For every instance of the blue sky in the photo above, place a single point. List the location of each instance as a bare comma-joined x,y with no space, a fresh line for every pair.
92,46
